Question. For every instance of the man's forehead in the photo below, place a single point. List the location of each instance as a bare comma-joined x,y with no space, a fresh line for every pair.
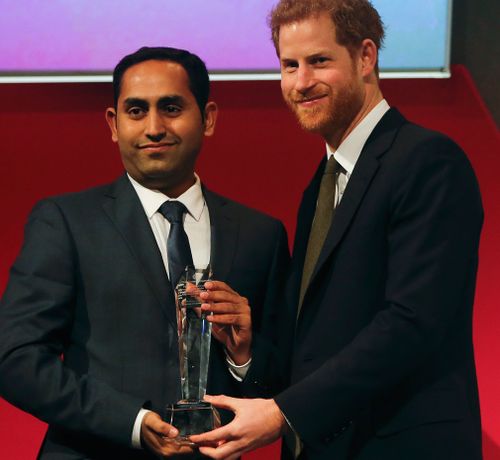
154,79
155,69
309,36
304,49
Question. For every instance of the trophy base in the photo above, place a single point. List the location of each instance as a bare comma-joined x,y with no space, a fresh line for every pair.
191,417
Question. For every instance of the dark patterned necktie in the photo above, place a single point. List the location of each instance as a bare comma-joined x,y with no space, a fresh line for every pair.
178,250
321,223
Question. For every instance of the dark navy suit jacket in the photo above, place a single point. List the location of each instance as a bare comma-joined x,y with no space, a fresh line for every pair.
383,364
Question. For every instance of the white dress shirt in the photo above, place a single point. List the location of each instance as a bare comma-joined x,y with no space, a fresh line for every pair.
196,220
350,149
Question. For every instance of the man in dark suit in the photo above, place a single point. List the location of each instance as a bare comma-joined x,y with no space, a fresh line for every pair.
88,324
384,265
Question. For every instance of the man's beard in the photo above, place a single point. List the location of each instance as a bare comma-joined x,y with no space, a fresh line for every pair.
335,117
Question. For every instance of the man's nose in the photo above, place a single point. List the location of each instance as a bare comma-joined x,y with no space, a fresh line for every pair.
305,79
155,127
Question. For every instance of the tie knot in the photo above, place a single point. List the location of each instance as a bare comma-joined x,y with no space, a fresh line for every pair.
173,211
331,166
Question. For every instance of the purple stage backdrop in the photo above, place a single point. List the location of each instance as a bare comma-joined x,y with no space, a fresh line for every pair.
231,36
94,34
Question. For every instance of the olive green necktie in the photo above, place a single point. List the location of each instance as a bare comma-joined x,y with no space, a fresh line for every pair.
321,223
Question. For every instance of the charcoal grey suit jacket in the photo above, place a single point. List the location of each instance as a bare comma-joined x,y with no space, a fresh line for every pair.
88,330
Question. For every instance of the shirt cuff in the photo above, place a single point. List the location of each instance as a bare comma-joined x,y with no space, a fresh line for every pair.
237,371
136,432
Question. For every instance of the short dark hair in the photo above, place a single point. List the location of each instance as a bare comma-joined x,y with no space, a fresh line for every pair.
354,20
199,82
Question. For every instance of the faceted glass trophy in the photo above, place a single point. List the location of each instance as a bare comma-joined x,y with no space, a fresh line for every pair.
192,415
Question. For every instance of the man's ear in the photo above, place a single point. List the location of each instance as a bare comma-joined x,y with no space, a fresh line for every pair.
369,56
211,111
112,123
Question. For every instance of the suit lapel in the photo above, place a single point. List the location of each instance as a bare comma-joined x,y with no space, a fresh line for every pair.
123,207
224,235
366,167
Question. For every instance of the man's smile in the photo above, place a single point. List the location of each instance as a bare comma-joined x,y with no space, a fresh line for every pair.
157,146
309,101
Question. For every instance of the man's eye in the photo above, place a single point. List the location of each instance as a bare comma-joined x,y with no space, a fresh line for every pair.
289,66
172,109
135,112
320,60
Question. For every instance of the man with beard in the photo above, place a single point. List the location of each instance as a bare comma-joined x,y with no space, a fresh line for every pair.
384,265
94,281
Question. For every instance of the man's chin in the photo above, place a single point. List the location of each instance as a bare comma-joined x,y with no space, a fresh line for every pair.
312,125
309,120
153,178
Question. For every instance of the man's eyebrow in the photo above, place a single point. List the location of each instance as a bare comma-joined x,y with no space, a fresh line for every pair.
316,55
162,101
171,99
135,101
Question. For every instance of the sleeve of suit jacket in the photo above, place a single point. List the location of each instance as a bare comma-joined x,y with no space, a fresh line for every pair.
36,317
433,217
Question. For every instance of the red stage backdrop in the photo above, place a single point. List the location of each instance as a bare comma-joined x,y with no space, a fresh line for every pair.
54,139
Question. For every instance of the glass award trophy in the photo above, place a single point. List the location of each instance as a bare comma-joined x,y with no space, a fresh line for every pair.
192,415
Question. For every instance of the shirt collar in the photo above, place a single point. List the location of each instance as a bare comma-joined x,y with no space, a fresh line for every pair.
350,149
151,200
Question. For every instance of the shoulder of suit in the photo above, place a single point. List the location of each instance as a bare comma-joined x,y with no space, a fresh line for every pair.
417,150
78,199
414,133
427,140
